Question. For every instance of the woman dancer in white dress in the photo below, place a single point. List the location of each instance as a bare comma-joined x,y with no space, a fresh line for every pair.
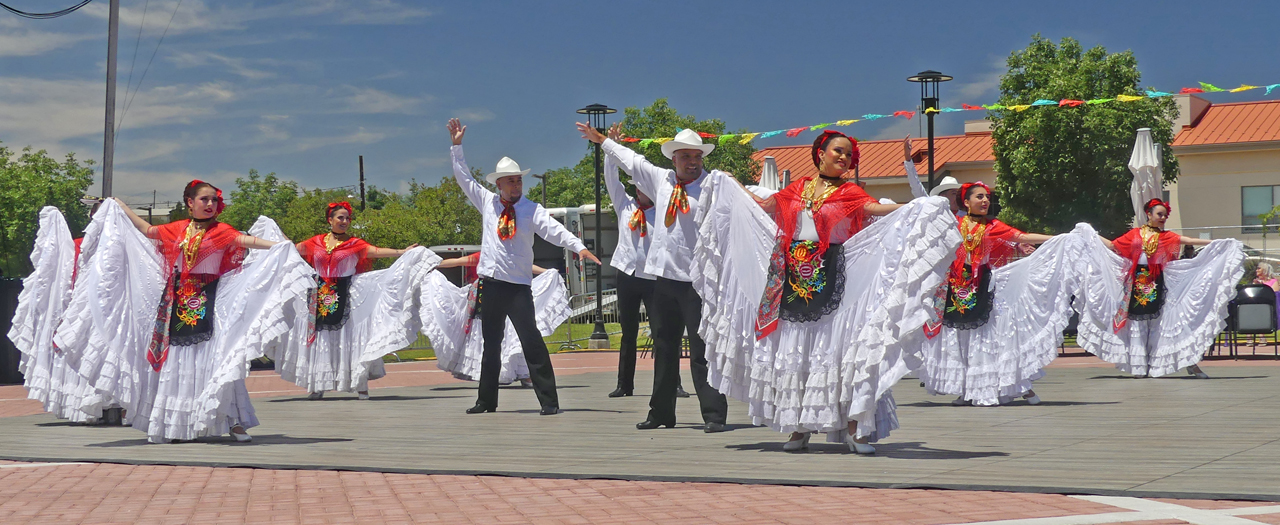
45,295
996,325
806,312
1148,312
178,370
353,307
451,320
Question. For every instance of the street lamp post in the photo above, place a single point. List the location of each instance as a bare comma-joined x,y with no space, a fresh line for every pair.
596,115
542,181
929,80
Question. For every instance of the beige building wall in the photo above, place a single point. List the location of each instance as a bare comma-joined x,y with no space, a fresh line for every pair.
1208,190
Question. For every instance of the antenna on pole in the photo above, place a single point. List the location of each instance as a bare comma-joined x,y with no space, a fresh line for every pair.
109,130
362,183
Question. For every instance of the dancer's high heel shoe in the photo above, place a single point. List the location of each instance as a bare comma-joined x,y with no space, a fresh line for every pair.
796,445
859,448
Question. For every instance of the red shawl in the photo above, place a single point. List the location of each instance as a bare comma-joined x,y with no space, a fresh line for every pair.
217,238
326,263
1167,248
840,217
993,248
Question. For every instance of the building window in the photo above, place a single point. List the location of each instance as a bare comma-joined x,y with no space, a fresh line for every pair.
1255,201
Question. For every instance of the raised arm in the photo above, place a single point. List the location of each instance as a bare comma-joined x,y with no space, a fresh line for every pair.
612,182
254,243
913,178
555,233
875,208
475,192
385,253
646,176
138,222
1031,238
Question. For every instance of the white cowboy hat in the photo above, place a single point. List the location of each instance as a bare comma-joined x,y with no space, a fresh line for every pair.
686,139
506,168
948,183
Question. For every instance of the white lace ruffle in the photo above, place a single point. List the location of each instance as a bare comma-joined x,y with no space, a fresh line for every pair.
461,353
1031,307
44,297
1197,292
382,318
818,376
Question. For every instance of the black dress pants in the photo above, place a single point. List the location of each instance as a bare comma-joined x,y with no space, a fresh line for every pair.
676,306
632,292
501,301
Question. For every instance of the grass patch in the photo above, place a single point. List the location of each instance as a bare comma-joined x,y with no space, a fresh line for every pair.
579,332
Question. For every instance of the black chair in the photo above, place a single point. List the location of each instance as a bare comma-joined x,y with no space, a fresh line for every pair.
1252,312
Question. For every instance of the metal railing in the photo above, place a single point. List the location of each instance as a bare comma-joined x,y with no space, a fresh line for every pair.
581,322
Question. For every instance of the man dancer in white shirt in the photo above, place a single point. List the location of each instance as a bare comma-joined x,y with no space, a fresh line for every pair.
676,305
505,270
635,286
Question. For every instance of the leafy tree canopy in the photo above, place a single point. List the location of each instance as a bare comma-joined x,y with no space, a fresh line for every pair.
28,183
1058,167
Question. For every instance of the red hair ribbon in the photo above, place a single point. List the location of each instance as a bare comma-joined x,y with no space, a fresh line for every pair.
827,136
1151,204
221,205
344,204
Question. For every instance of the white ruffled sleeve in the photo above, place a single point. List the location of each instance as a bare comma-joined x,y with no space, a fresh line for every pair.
106,329
730,266
393,295
44,297
1100,295
1195,306
550,301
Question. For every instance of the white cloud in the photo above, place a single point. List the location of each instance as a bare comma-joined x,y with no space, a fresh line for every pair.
238,66
135,186
899,129
360,136
271,132
26,41
983,86
370,100
474,114
196,16
44,113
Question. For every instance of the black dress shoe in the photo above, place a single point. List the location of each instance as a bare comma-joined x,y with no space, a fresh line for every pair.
620,392
680,392
481,408
650,424
713,427
550,410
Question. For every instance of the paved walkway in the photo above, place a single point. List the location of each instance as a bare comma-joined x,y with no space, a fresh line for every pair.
411,456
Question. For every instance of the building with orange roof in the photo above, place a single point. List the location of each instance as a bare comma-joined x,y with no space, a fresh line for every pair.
1229,156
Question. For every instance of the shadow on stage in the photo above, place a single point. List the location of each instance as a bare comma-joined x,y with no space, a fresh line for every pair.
1180,377
353,398
1014,404
258,440
512,386
897,450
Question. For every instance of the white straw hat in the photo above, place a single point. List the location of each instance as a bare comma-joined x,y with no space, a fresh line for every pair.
506,168
686,139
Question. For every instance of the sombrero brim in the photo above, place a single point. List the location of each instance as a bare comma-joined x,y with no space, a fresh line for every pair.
670,148
492,178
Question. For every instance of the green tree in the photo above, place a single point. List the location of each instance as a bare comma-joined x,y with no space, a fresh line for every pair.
258,195
575,186
305,216
1061,166
28,183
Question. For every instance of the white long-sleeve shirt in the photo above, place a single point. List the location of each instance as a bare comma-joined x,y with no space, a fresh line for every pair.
629,256
671,249
510,260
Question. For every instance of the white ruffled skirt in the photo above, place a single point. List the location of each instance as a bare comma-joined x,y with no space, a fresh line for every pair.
445,316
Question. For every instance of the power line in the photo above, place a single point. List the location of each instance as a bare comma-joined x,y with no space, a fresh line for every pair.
136,44
129,103
44,16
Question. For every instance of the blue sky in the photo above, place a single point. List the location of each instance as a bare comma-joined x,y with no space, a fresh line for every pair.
303,87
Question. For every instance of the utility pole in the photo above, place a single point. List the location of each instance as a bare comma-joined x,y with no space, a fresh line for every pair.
362,183
109,131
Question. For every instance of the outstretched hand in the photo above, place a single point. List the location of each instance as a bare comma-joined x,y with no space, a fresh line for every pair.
456,131
590,133
615,132
906,148
586,254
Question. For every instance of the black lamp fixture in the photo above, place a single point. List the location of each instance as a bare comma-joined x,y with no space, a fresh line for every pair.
597,114
929,80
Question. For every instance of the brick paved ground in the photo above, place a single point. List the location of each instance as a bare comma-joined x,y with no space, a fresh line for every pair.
99,493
